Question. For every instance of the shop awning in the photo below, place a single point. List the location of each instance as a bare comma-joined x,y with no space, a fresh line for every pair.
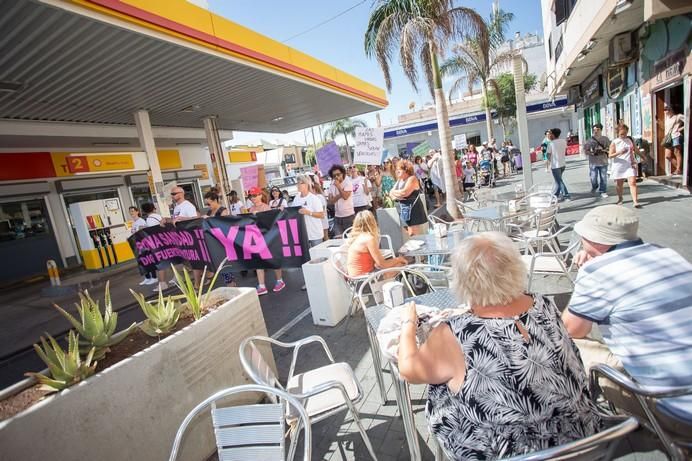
100,61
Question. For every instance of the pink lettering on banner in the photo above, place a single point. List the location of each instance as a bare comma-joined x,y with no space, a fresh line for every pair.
293,224
227,241
283,232
254,243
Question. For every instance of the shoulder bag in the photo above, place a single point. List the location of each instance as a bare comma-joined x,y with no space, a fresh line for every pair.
405,209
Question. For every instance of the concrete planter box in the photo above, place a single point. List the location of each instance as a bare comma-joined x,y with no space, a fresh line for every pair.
133,409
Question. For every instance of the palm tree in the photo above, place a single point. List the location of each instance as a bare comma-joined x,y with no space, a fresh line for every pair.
419,31
476,60
347,127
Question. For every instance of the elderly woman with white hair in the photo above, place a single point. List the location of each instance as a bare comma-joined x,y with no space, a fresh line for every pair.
505,378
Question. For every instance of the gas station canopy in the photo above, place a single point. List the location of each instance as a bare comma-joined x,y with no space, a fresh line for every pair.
99,61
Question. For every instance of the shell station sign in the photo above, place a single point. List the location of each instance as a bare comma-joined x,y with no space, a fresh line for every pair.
41,165
66,164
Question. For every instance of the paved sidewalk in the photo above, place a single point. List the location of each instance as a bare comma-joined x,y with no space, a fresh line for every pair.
666,219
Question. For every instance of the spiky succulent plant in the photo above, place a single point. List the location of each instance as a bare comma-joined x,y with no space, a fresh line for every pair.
97,330
161,317
66,367
196,301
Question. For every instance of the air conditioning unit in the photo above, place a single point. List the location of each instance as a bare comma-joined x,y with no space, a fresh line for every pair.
622,49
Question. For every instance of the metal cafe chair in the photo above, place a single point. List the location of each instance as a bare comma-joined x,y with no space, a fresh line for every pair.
597,447
472,225
547,259
671,424
543,187
338,260
322,391
438,275
539,199
251,431
538,222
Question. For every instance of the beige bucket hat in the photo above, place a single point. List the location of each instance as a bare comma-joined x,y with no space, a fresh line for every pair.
609,225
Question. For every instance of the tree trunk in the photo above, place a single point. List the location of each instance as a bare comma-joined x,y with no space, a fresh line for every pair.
349,158
488,115
452,191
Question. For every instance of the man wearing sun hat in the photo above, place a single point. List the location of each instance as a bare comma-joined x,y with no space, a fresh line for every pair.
639,294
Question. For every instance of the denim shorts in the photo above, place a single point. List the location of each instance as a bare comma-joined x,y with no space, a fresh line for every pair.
678,141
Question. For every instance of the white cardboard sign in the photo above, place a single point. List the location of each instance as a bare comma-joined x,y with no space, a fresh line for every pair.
369,143
460,141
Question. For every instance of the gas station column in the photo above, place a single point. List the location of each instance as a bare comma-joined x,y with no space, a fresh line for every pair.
146,141
211,129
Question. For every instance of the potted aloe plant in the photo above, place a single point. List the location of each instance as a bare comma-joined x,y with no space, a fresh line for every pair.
132,409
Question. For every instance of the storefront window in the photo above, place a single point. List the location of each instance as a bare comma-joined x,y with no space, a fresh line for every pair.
23,219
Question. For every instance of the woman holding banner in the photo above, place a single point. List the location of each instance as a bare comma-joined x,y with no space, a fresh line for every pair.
139,222
276,199
213,201
258,206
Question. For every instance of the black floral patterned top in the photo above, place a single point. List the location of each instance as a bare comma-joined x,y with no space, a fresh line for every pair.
519,395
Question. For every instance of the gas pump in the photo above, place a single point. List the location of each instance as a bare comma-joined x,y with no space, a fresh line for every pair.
101,232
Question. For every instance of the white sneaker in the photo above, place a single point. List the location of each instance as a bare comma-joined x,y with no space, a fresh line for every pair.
172,281
152,281
144,282
162,286
604,195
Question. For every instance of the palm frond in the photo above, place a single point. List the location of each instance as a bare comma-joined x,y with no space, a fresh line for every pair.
497,26
466,23
381,35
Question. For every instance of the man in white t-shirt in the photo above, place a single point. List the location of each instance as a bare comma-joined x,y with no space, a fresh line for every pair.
341,196
183,209
556,150
361,192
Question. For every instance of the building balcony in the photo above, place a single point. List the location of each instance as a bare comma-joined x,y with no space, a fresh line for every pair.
579,44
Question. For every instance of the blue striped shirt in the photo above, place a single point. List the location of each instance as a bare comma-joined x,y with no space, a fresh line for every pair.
640,294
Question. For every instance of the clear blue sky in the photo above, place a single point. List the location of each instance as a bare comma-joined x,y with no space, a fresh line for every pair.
340,42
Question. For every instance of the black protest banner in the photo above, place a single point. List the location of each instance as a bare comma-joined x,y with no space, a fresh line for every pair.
182,242
268,240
